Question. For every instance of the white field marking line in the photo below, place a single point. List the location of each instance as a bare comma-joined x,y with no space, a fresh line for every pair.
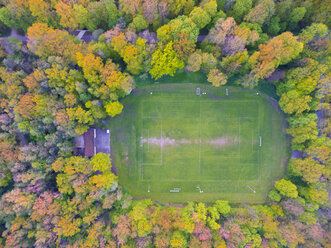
204,101
229,157
247,117
258,150
258,166
208,181
239,140
251,189
200,142
140,168
173,113
141,164
142,172
259,175
161,144
259,133
148,141
252,140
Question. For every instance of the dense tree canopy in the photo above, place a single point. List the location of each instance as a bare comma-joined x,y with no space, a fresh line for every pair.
55,86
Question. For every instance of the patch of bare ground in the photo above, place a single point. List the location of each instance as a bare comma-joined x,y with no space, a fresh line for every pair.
173,142
222,141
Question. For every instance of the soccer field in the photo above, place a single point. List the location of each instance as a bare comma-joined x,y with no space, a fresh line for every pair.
172,145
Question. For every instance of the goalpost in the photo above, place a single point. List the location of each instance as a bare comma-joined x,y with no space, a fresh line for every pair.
260,141
251,189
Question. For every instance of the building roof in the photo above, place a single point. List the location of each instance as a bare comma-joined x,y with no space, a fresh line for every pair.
102,141
92,142
89,143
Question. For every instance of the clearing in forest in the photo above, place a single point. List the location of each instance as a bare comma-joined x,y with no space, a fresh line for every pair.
173,145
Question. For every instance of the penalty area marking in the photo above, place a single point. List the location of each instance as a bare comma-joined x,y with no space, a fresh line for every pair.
148,141
143,163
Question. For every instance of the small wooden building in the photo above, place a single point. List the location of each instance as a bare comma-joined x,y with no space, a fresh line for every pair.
92,142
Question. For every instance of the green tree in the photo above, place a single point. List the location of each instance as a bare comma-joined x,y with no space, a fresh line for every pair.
309,169
223,207
315,30
16,14
113,13
165,62
241,8
113,108
5,175
296,15
314,38
139,22
178,240
177,26
236,64
178,6
261,13
210,7
139,217
98,15
101,162
274,26
286,188
133,55
305,130
317,193
80,115
81,14
274,196
294,103
5,17
200,17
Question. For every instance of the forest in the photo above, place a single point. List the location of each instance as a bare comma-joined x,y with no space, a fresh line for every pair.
55,86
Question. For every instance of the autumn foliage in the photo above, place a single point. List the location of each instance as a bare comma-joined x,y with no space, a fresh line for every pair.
54,87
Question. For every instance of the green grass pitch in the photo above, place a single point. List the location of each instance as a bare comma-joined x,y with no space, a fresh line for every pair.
210,146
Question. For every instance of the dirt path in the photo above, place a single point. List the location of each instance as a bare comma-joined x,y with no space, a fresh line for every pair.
87,36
